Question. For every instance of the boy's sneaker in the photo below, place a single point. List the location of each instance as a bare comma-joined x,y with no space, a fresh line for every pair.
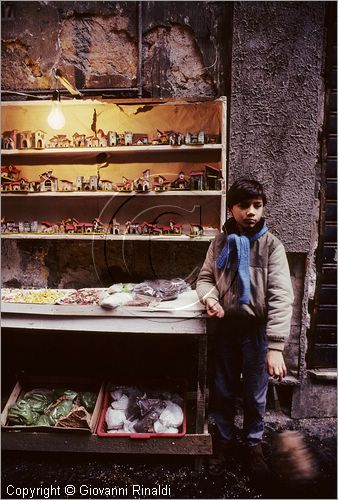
222,455
257,467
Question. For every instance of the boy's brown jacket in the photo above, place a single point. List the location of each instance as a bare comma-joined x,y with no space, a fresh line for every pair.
271,294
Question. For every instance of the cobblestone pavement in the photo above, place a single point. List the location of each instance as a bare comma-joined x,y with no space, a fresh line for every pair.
124,477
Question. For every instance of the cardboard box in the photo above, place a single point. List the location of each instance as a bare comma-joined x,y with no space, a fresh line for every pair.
26,383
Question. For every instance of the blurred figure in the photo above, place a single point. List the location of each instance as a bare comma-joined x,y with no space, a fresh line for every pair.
293,460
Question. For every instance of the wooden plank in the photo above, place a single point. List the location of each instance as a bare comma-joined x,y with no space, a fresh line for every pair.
191,444
201,385
50,152
173,313
107,194
104,237
160,326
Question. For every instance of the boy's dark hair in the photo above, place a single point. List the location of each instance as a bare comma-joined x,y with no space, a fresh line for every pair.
243,189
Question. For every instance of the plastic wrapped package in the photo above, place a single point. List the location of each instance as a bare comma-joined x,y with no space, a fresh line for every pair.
115,418
121,403
172,415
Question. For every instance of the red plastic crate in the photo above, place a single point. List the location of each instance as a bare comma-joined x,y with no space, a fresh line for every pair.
102,426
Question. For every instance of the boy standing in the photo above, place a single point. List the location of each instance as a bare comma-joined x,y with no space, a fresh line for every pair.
245,281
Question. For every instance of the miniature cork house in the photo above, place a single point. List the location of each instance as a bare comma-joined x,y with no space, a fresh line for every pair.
212,178
24,184
197,180
128,138
10,173
93,183
142,184
66,185
79,140
181,182
114,227
126,185
111,138
106,185
48,181
102,139
196,230
161,184
9,138
131,227
59,141
140,139
39,141
24,139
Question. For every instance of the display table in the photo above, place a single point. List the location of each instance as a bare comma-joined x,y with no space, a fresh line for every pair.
180,317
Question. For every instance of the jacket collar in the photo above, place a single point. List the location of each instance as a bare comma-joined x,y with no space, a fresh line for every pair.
230,227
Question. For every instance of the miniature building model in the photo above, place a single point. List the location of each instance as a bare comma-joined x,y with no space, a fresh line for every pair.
24,139
114,227
66,185
181,182
102,139
212,178
128,138
142,184
161,184
9,138
24,184
10,173
39,141
197,180
131,227
79,140
106,185
140,139
112,138
48,181
126,185
196,230
59,141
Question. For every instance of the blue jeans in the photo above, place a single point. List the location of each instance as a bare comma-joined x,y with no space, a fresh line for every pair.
241,348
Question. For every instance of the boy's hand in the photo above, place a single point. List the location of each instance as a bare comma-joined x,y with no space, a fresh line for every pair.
275,364
214,308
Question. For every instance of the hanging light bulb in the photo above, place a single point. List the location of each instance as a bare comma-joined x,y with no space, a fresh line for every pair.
56,119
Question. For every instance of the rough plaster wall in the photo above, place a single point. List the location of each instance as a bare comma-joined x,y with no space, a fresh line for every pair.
276,95
67,264
173,64
93,43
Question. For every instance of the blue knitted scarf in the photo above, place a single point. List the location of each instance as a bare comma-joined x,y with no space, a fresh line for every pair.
236,254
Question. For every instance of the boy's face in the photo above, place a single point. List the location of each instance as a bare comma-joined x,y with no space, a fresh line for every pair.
248,213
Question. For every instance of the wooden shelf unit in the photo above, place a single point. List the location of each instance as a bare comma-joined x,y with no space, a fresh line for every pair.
152,324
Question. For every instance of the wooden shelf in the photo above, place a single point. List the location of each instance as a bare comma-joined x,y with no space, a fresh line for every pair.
103,237
66,152
100,194
190,444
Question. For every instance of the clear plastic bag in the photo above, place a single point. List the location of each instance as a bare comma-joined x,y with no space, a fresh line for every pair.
162,289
